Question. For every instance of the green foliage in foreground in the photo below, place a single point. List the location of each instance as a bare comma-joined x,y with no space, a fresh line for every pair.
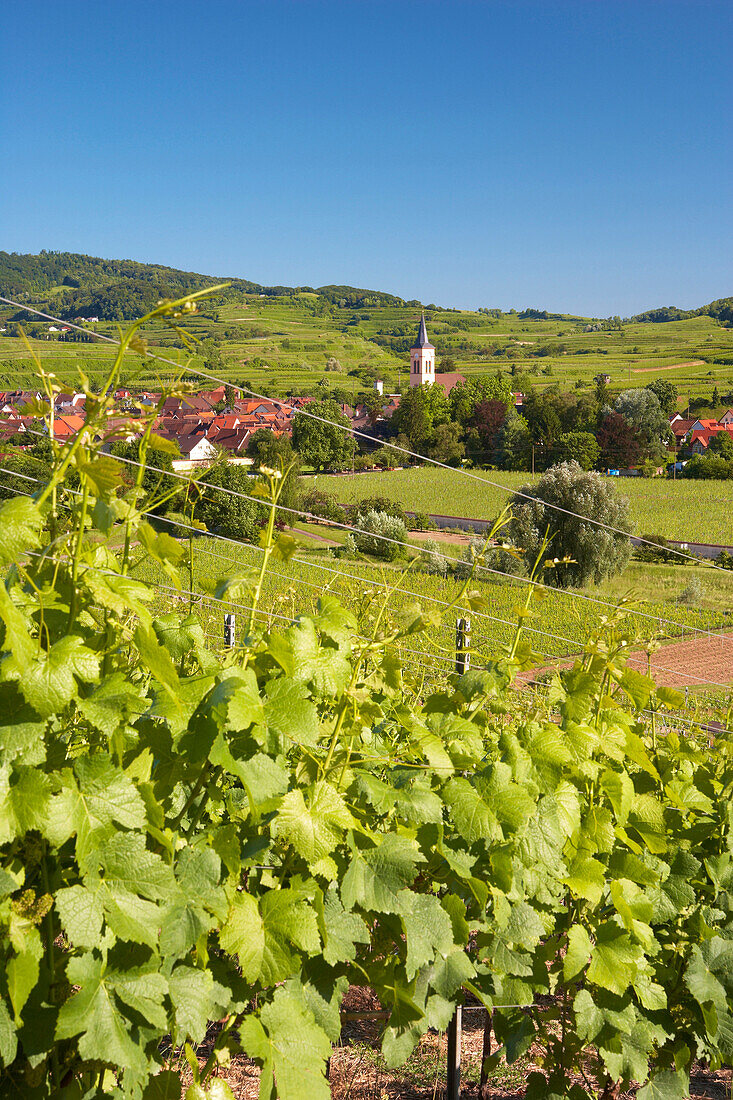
185,839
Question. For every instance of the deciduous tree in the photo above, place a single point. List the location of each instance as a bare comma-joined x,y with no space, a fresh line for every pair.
323,444
563,500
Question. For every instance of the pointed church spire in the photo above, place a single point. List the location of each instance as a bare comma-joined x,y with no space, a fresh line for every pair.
422,335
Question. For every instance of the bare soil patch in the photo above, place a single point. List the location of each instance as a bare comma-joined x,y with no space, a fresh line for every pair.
441,536
696,662
672,366
357,1072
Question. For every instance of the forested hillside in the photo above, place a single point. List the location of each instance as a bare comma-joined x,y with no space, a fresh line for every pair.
116,290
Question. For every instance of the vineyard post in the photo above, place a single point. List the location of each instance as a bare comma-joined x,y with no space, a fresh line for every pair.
230,629
453,1083
463,644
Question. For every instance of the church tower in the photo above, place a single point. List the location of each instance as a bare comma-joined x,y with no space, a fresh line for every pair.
422,358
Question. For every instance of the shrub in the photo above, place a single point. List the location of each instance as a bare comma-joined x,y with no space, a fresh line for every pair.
317,502
421,521
373,529
378,504
429,563
694,593
659,551
562,500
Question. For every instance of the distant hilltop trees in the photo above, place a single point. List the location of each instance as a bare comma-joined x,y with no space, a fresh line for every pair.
721,308
118,290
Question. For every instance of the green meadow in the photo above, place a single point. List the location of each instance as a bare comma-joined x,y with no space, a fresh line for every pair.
284,344
694,511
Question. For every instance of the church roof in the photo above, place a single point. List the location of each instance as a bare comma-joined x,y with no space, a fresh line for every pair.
422,336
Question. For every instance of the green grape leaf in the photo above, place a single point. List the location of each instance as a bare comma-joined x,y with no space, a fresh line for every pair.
289,711
235,703
525,927
449,973
577,955
290,1047
8,1040
343,931
103,472
93,1014
289,921
22,972
191,993
428,929
413,802
20,527
637,686
24,801
376,876
81,912
143,990
322,996
243,935
313,822
262,777
87,805
473,818
589,1019
113,703
586,878
326,669
156,659
131,917
670,1084
614,959
179,636
128,862
702,981
48,679
406,1020
166,1085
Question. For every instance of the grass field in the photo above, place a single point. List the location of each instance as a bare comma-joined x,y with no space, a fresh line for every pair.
559,626
284,344
694,511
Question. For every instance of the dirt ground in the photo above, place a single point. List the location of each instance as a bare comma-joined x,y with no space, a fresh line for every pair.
673,366
697,662
441,536
356,1071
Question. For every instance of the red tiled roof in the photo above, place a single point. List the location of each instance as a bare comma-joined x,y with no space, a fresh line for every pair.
448,379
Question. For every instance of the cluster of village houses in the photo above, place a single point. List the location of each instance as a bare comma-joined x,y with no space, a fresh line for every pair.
197,424
696,434
202,427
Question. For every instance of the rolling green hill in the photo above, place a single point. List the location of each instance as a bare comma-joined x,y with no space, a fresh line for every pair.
339,338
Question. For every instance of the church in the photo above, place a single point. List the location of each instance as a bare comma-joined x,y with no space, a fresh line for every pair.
422,363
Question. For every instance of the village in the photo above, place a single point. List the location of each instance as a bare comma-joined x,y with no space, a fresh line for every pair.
216,422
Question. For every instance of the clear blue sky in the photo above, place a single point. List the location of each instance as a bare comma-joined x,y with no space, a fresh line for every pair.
573,156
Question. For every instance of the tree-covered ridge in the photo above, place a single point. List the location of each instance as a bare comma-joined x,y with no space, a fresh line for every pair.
115,290
722,308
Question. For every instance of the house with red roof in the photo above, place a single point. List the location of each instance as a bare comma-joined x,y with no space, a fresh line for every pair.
699,439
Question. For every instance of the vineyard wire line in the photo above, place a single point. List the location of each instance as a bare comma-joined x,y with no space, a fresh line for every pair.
202,595
385,538
354,431
557,637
